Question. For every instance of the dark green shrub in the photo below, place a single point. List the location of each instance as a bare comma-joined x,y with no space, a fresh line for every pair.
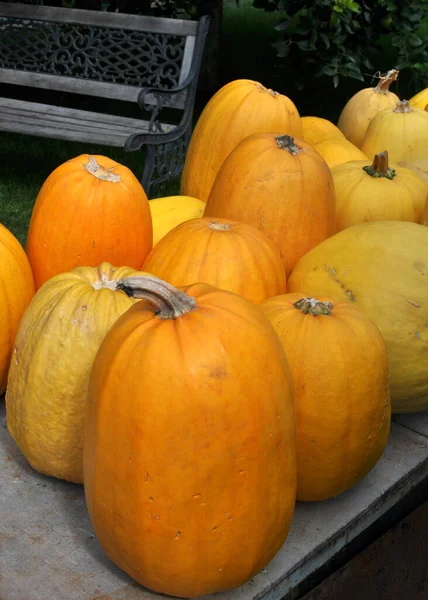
337,38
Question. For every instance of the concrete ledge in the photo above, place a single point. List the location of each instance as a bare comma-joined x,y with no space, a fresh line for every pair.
48,548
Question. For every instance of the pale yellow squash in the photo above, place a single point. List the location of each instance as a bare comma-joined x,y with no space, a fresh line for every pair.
170,211
336,151
420,100
377,192
402,130
364,105
382,267
317,129
56,343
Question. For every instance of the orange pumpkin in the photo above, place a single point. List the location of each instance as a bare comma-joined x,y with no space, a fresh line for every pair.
377,192
238,109
190,440
281,186
90,209
227,254
364,106
339,365
16,291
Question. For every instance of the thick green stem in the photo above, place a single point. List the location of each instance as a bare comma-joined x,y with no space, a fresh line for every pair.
286,142
311,306
380,167
166,300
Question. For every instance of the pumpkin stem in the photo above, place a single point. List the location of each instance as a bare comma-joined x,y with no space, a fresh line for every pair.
100,172
166,300
380,167
267,90
219,226
311,306
403,106
385,81
286,142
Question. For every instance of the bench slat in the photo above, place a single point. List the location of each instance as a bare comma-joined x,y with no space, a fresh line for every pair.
101,18
68,124
115,91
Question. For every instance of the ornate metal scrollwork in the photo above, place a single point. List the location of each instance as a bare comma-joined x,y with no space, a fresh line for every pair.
98,53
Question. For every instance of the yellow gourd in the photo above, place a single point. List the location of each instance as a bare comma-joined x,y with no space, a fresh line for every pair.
170,211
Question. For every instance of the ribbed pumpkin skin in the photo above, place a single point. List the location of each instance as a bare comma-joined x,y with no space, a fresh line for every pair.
170,211
420,100
418,166
80,220
290,197
382,267
56,343
361,109
317,129
403,134
343,410
16,291
336,151
361,198
190,445
227,254
238,109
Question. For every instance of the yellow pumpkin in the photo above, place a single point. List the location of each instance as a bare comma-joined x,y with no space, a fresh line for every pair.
382,267
55,346
16,291
425,215
377,192
420,100
237,110
364,105
170,211
336,151
189,454
342,428
228,254
403,130
418,166
316,129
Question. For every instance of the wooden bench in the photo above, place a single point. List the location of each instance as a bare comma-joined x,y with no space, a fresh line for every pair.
147,64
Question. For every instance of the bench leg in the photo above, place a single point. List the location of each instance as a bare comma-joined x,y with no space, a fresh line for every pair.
164,164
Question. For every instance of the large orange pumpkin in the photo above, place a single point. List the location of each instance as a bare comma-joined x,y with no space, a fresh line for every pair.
339,365
16,291
189,456
54,348
89,210
280,185
228,254
377,192
238,109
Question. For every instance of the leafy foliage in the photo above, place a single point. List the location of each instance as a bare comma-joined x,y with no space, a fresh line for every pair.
334,37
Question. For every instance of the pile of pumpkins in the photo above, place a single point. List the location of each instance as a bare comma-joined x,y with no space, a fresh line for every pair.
201,362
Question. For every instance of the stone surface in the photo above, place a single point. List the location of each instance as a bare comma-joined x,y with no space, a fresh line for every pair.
415,421
48,548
